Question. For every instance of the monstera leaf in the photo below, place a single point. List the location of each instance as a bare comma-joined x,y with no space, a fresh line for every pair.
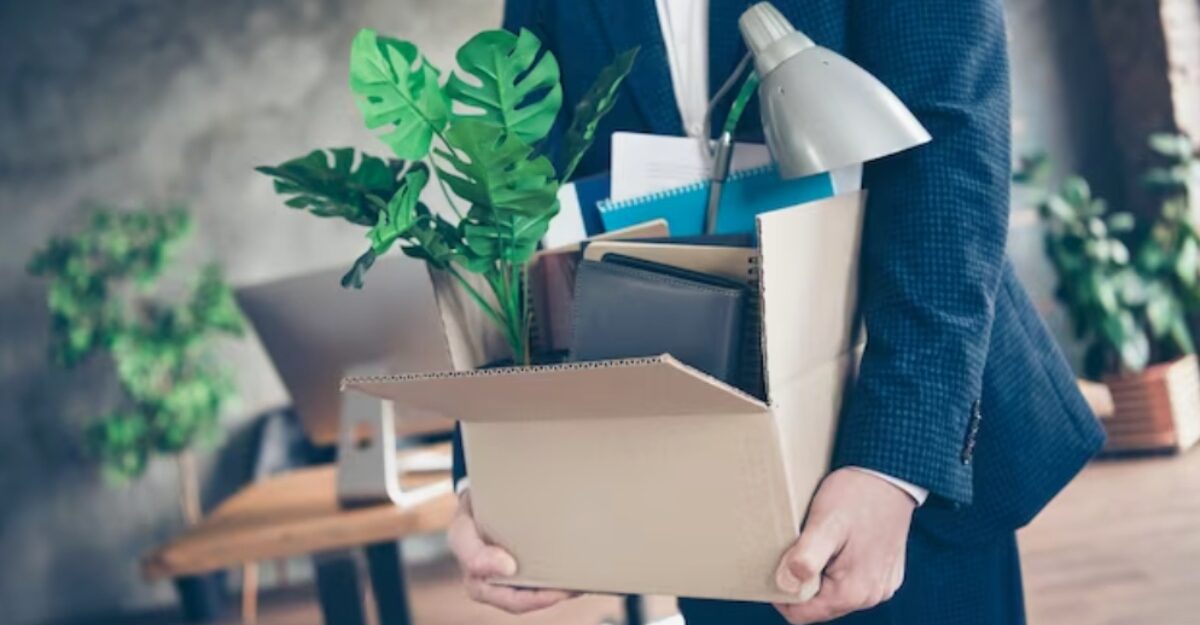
517,90
592,107
513,238
498,172
401,212
337,188
398,89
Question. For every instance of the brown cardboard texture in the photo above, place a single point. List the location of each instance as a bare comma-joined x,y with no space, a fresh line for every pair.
644,476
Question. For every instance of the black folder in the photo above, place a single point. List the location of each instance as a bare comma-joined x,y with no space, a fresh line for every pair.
627,307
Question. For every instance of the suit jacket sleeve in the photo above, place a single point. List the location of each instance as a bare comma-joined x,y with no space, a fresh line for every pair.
934,239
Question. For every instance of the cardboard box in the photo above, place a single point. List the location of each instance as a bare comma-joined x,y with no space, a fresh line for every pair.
644,476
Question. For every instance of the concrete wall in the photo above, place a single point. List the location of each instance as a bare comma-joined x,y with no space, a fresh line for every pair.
131,100
125,101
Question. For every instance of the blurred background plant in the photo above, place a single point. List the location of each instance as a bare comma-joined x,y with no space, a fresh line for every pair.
106,296
1133,309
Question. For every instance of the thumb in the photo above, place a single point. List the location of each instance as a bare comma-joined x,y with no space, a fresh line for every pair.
802,564
490,561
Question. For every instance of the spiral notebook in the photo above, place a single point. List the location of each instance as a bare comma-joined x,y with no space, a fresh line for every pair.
747,194
732,262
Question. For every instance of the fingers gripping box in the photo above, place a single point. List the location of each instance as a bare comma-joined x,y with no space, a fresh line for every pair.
644,476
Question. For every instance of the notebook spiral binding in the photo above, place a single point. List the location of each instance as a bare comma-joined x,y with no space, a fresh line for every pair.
608,206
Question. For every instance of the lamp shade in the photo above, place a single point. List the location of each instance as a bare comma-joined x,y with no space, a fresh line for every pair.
820,111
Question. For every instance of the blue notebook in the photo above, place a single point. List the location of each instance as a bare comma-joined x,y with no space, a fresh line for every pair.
746,194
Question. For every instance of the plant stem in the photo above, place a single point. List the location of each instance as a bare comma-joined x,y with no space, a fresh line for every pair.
475,295
503,288
437,173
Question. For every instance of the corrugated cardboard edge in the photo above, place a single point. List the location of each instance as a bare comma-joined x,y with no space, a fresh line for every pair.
541,390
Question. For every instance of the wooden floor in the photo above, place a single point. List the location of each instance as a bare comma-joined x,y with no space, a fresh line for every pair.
1121,546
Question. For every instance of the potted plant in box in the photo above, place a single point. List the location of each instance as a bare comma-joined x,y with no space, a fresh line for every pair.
1133,309
481,135
102,300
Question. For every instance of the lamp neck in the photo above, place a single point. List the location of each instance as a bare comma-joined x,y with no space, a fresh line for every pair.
780,50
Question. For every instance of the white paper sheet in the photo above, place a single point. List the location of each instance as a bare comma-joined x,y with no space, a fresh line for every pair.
644,163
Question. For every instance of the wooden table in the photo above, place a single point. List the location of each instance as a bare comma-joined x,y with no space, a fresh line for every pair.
297,513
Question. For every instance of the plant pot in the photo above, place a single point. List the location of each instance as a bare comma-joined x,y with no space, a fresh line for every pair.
203,598
1155,410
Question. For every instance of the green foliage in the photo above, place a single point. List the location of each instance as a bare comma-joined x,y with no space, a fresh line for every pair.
1133,309
518,92
499,170
338,188
592,107
398,89
101,299
508,97
401,211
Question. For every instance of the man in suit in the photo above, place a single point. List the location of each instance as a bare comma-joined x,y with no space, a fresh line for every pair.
965,420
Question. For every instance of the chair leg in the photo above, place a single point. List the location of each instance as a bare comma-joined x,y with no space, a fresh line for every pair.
250,593
635,610
386,565
338,588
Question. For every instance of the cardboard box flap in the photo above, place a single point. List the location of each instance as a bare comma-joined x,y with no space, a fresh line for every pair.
638,387
809,282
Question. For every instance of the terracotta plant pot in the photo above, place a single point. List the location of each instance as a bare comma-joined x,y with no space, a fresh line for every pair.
1155,410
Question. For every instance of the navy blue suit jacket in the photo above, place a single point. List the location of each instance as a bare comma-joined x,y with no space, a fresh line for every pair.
961,390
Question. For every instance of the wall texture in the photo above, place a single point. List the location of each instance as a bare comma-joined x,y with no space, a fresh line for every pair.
126,101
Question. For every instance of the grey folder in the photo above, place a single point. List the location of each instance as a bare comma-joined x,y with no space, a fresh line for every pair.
624,311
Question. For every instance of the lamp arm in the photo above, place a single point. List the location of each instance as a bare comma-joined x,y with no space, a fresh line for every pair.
722,154
726,87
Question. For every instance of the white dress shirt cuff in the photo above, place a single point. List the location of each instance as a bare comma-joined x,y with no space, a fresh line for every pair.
918,494
462,485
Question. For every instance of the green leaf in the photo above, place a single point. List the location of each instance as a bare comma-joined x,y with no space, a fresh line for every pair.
1172,145
212,305
592,107
1130,340
1076,192
336,188
398,89
1033,167
499,172
1166,179
1121,222
1161,309
401,212
1187,263
437,242
1181,335
354,277
518,90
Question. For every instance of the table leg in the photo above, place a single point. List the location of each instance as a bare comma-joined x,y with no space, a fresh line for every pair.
635,610
385,561
338,588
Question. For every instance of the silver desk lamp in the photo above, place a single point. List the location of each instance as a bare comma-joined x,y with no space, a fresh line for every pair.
820,111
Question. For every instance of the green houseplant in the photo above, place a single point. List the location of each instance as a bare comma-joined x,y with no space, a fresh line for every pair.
1133,309
105,297
483,135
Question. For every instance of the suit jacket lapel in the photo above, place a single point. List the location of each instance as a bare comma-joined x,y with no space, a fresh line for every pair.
630,23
